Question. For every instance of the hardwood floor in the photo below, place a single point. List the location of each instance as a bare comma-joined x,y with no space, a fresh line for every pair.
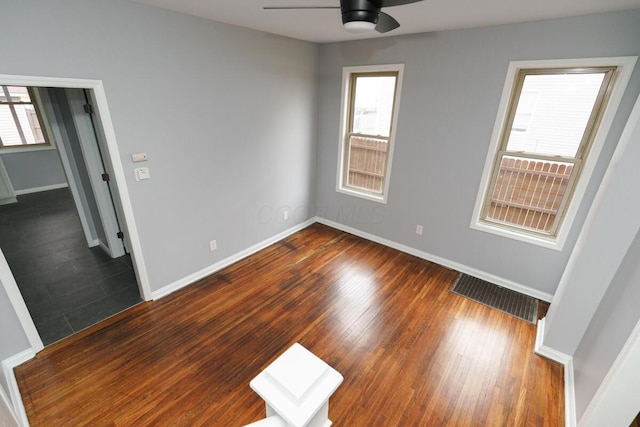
411,352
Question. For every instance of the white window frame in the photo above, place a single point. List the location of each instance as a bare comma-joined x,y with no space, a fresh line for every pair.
625,68
347,72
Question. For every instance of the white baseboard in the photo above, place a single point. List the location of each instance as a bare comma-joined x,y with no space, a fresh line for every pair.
8,200
194,277
14,391
566,361
505,283
39,189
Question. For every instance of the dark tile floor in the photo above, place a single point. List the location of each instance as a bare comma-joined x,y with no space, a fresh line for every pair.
66,285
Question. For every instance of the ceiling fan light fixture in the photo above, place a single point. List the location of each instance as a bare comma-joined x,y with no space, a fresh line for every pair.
359,26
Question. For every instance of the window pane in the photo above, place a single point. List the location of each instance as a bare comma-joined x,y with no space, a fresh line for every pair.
373,105
16,94
8,131
552,113
367,158
26,130
528,192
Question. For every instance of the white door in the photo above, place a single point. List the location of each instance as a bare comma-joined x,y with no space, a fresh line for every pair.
95,166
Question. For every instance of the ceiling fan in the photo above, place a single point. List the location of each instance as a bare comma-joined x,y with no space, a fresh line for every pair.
361,15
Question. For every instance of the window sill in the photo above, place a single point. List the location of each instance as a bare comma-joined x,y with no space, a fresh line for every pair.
25,149
555,243
352,192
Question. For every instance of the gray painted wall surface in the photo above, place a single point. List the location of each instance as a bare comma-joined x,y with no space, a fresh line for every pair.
452,84
609,329
226,114
33,169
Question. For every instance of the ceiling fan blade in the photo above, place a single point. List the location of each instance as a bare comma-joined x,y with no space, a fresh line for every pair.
299,7
386,23
391,3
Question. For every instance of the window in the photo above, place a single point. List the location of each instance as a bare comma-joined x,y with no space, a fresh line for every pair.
552,125
369,113
20,122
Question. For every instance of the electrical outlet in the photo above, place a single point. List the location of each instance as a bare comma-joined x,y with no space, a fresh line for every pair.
213,245
419,229
285,215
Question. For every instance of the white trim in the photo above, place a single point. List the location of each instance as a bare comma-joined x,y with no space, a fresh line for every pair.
626,64
615,401
40,189
505,283
6,403
13,292
567,362
194,277
114,157
123,190
344,112
14,392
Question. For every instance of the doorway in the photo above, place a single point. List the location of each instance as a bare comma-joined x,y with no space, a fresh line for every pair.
66,285
108,271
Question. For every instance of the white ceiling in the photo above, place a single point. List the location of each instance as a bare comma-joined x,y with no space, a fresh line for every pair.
324,26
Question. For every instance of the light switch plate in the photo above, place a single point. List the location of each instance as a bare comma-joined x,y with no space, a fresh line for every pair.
142,173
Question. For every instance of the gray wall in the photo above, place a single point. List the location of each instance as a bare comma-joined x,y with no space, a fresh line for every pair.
609,329
226,114
451,90
34,169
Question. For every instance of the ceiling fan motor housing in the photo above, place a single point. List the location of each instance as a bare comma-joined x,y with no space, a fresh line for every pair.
359,10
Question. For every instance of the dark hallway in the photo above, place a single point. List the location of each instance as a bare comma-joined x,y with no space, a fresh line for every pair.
66,285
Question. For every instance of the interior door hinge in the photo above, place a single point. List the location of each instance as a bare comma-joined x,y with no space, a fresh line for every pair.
120,235
88,109
105,177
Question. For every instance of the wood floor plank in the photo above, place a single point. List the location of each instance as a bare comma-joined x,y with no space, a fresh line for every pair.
411,352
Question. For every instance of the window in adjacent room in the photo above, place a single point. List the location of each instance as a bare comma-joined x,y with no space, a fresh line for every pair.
370,107
20,121
552,119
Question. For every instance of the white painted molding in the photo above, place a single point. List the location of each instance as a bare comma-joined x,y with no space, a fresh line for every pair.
569,395
40,189
9,419
505,283
567,362
194,277
14,391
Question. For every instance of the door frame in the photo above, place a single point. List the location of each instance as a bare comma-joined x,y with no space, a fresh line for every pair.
122,193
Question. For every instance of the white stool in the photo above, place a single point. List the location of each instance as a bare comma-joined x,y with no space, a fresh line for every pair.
296,388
